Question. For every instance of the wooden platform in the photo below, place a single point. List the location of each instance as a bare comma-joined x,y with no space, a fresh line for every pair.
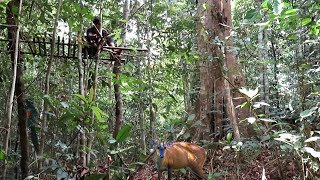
41,46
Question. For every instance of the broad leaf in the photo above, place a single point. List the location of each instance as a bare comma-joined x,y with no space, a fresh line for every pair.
251,120
2,155
315,138
197,123
249,92
251,13
97,113
191,117
81,97
291,11
306,113
311,151
306,21
267,120
123,133
96,177
91,94
121,150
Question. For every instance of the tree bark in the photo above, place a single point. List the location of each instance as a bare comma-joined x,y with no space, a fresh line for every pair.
214,26
118,97
117,72
264,82
82,89
275,70
141,103
47,85
13,33
236,78
19,87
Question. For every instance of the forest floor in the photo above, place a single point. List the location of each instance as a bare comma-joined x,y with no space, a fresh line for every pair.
258,164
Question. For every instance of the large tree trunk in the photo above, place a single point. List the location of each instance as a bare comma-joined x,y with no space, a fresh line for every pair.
236,78
214,59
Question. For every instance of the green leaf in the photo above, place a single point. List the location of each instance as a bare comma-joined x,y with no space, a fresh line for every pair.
96,177
229,137
96,112
251,13
197,123
123,133
49,101
121,150
306,113
291,11
77,7
186,135
67,116
119,42
191,117
265,138
244,104
123,20
205,6
91,93
306,21
171,95
2,155
81,97
183,171
263,23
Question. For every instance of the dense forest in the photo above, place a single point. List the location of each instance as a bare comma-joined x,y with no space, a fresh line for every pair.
150,89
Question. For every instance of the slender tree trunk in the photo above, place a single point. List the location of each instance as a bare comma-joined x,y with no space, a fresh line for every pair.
95,86
80,65
262,39
152,108
186,85
82,136
275,70
142,129
22,116
47,84
118,97
126,13
22,113
117,72
141,103
13,34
